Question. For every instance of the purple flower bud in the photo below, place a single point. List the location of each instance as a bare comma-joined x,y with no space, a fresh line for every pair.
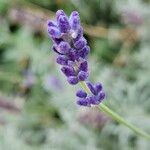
72,55
81,94
54,32
56,41
84,51
63,23
72,80
82,102
54,49
68,71
82,75
79,33
63,47
83,66
91,87
51,23
58,13
74,20
62,60
80,43
101,96
92,99
98,87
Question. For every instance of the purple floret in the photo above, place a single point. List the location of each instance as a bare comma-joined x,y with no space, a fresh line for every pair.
81,94
68,71
84,66
72,80
82,75
82,102
62,60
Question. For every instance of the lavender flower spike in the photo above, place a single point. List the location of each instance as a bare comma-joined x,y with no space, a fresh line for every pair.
72,50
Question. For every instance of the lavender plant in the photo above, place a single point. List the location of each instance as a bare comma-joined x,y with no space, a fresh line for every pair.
72,51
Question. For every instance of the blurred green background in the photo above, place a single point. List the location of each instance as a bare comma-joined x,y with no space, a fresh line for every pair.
37,106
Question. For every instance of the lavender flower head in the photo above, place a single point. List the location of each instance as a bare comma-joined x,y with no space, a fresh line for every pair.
72,49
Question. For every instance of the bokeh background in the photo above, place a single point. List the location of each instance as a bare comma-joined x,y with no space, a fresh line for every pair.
37,105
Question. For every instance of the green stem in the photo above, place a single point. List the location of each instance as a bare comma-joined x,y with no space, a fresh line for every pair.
118,118
115,116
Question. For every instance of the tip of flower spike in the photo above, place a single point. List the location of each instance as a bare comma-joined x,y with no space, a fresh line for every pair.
63,23
59,12
74,20
75,13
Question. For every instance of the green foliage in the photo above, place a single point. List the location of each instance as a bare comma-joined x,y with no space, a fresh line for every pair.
98,11
48,116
